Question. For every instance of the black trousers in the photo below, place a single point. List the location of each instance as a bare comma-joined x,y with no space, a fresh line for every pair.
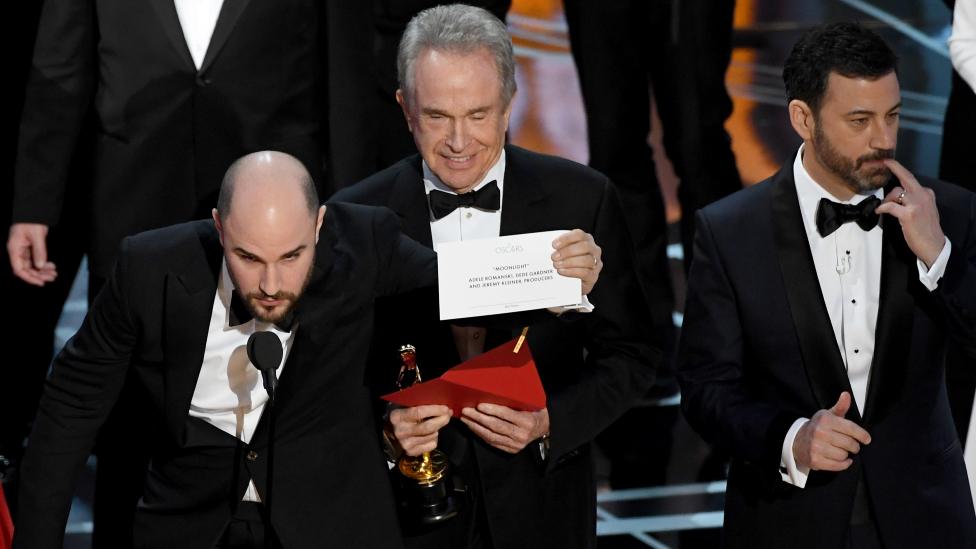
248,529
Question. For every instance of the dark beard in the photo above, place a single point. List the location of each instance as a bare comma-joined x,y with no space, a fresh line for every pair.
260,313
850,172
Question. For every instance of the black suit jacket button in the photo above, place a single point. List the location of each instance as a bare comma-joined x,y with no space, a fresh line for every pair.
203,81
252,456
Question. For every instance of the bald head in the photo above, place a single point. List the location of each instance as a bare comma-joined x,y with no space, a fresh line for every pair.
268,219
267,179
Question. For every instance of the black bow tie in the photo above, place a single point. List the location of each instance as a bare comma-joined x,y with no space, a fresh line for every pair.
485,198
831,215
240,314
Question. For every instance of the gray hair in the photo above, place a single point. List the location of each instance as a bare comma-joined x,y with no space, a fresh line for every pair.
456,28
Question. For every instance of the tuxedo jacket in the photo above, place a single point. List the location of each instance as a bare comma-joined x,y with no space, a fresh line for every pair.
165,131
593,367
758,352
151,322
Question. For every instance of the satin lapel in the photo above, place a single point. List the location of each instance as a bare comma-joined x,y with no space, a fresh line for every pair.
893,329
408,200
189,304
818,347
168,18
522,196
230,12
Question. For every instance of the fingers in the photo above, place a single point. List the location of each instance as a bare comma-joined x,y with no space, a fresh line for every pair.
416,428
37,241
570,238
576,249
853,430
904,176
27,250
506,429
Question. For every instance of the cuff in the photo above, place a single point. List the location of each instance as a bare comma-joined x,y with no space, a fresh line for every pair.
930,277
584,306
788,469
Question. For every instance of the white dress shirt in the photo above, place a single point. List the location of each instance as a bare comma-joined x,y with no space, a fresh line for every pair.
468,223
962,41
198,19
230,393
848,264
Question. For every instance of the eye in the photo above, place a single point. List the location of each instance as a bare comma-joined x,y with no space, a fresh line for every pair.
859,122
247,258
479,116
894,116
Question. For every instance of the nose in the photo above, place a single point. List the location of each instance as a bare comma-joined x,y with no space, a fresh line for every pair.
457,138
884,135
270,282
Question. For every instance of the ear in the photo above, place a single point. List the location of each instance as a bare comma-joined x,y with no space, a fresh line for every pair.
508,109
220,227
318,224
802,119
402,101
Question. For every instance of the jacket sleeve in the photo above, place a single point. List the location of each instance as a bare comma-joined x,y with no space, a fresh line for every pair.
404,263
84,384
715,396
957,289
620,362
59,95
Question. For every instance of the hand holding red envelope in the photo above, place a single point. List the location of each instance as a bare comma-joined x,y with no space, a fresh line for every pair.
499,376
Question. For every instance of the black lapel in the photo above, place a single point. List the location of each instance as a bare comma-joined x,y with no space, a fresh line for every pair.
818,346
522,192
893,329
409,200
190,293
170,20
230,12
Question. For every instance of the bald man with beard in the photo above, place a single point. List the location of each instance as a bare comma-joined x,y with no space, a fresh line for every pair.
176,315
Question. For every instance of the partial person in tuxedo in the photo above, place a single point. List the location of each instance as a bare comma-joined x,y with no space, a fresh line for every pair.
38,308
958,164
529,474
175,316
820,305
179,89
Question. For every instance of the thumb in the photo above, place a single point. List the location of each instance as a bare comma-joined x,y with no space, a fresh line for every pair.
843,404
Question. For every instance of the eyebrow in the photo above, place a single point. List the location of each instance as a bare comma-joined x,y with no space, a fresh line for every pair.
432,110
242,251
868,112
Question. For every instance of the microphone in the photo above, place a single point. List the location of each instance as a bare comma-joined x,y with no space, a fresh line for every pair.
264,351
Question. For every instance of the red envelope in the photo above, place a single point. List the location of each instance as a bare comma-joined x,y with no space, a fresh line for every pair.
499,376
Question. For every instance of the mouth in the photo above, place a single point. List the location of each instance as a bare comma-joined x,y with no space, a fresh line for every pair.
457,160
269,303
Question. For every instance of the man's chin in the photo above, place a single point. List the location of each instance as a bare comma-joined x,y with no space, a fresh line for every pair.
270,315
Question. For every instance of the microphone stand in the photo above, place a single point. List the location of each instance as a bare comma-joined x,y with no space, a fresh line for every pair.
270,385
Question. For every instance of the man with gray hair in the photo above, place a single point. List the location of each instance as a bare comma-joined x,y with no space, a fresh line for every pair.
528,474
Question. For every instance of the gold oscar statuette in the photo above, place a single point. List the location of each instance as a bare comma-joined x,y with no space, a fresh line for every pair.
427,492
